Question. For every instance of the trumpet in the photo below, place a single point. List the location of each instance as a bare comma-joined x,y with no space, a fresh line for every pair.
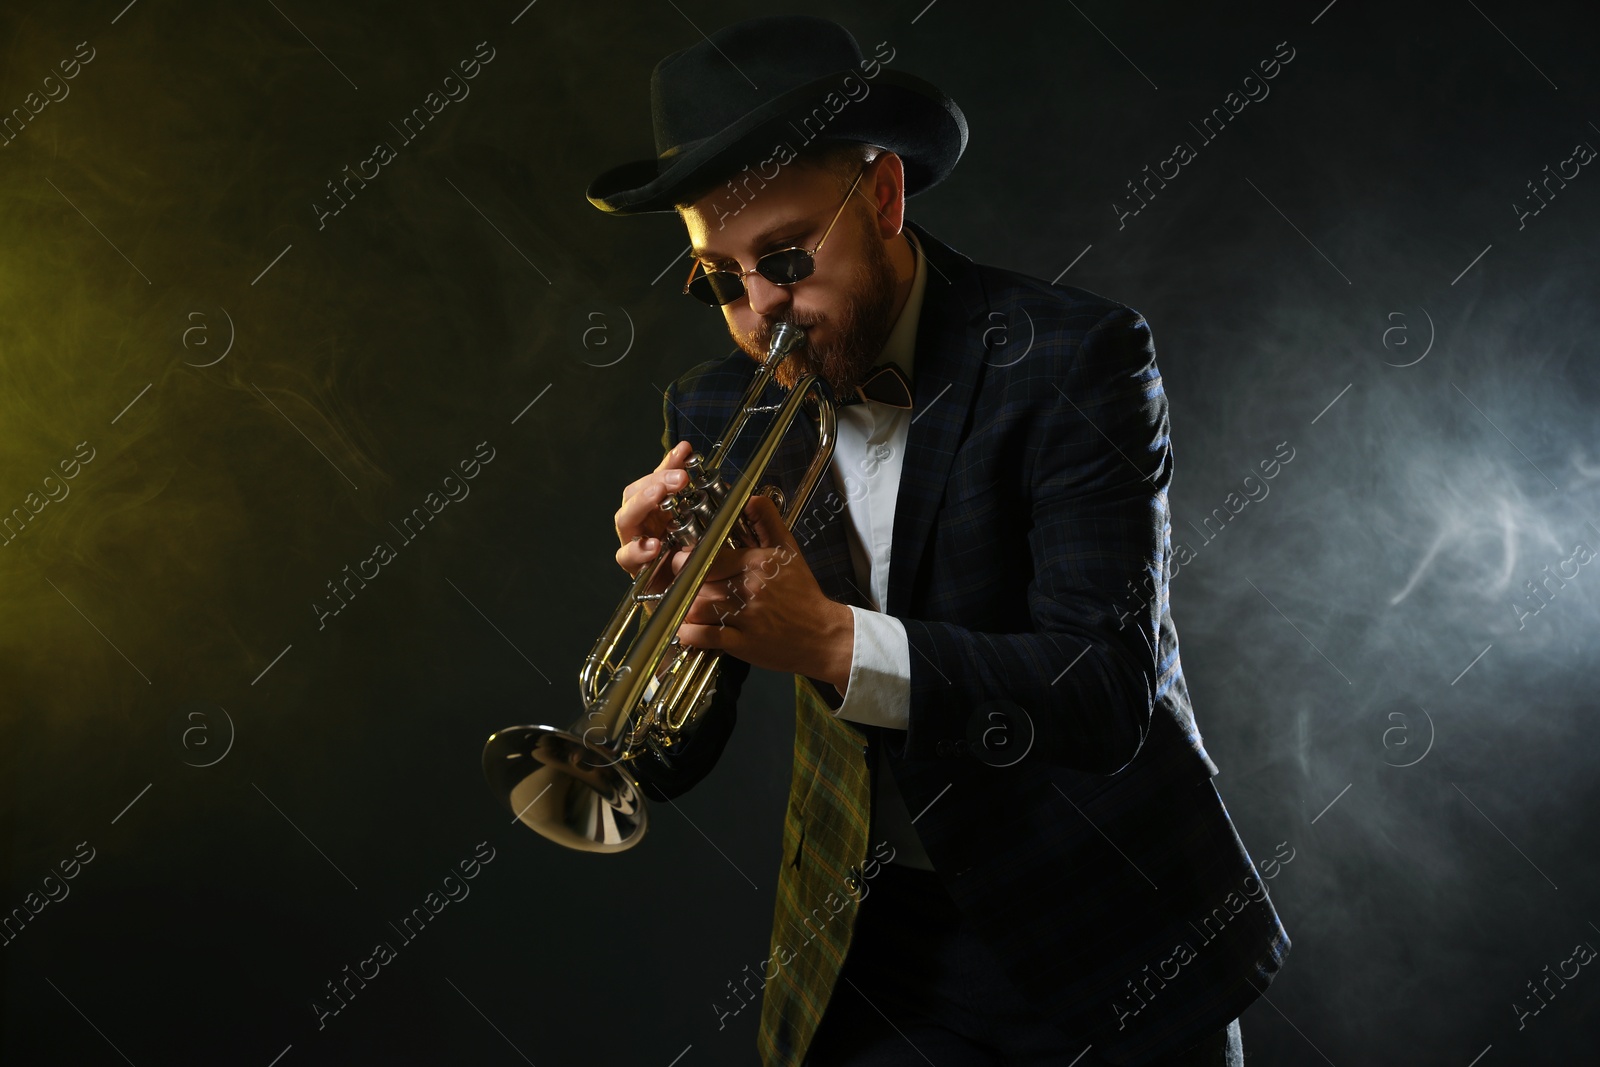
579,787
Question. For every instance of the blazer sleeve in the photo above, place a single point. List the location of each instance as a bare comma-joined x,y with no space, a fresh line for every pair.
696,758
1080,687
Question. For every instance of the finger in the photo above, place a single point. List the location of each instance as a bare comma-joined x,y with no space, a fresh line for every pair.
671,458
641,512
675,456
674,459
634,555
715,606
642,508
768,521
712,636
729,562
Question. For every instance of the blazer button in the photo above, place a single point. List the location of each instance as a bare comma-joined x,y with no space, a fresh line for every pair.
853,881
942,748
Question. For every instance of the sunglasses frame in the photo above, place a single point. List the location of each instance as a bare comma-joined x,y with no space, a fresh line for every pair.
811,254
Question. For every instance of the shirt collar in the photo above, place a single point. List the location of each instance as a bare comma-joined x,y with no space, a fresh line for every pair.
901,346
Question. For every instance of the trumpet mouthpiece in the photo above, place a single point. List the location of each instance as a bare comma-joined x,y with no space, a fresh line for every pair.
785,337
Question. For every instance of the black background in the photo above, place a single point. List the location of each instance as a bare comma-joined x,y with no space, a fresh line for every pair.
1359,615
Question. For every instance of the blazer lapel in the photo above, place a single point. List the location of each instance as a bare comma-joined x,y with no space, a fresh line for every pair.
949,352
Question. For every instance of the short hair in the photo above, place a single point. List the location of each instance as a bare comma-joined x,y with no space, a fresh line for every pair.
842,159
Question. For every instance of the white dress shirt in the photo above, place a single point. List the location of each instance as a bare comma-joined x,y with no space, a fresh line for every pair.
867,457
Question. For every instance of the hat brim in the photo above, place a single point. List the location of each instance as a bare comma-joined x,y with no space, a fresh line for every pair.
902,113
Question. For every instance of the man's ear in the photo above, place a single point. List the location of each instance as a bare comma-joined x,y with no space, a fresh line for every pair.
888,193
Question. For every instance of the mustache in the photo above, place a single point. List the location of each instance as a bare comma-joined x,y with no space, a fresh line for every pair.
762,338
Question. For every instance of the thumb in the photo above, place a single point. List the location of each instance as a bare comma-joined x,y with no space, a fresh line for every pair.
768,521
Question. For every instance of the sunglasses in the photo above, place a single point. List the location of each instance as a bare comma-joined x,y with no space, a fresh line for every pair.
783,267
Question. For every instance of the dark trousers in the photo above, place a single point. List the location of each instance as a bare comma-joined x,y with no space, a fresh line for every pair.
919,986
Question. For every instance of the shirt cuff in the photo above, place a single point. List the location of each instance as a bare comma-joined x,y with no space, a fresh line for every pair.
878,691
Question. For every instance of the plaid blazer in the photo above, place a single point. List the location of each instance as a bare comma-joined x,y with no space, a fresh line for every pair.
1065,793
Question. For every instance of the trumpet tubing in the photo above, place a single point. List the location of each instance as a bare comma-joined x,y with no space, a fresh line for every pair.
644,698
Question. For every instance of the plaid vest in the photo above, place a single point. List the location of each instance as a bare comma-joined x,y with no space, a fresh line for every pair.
825,862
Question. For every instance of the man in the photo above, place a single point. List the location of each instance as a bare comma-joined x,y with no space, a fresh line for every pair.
988,688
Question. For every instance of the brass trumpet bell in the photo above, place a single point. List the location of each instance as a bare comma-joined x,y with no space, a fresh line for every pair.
571,792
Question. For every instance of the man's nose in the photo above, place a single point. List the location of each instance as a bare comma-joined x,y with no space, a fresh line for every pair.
766,298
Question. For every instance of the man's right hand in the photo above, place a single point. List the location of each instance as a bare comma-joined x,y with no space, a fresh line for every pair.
641,523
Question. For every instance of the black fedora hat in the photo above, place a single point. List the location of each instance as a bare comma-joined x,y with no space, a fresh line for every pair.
758,92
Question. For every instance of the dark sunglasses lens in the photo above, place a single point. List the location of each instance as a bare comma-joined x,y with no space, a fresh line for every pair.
786,267
717,287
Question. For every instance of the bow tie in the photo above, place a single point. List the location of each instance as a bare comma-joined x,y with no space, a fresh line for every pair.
885,384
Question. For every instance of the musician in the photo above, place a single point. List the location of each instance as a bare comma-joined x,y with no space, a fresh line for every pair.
1002,843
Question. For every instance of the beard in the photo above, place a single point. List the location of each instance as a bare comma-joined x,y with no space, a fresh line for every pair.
860,330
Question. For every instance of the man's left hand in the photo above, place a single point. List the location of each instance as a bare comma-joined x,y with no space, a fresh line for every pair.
764,606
